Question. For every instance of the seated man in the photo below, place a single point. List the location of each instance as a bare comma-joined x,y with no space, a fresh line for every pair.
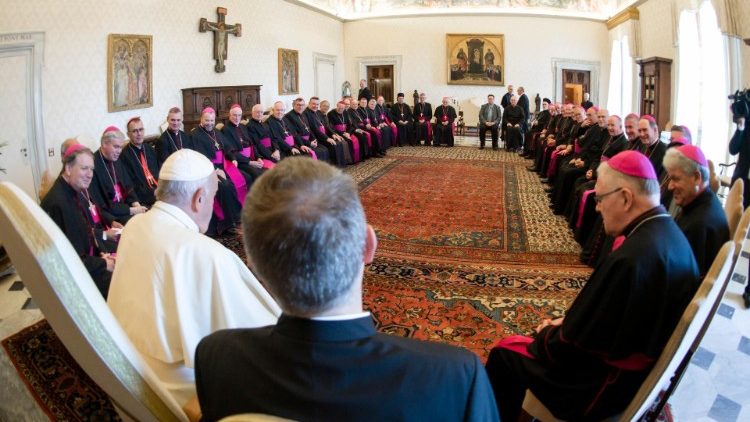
701,216
173,285
589,364
490,117
402,116
139,159
513,119
324,359
422,118
174,138
442,131
111,188
69,205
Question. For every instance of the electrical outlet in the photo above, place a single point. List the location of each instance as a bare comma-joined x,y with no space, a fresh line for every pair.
51,152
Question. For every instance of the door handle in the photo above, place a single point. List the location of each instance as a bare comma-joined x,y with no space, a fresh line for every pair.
24,151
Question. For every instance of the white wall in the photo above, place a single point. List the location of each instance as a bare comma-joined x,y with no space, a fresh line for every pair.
74,80
530,45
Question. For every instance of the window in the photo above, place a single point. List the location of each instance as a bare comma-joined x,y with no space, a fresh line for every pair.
620,97
702,81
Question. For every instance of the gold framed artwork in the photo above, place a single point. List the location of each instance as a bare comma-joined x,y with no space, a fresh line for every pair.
288,71
476,59
129,72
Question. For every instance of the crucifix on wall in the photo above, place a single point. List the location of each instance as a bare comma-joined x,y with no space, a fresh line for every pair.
221,35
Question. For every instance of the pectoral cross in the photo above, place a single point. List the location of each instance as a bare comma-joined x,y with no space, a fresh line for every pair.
221,34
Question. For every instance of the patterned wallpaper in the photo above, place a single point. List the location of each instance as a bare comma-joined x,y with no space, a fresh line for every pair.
74,80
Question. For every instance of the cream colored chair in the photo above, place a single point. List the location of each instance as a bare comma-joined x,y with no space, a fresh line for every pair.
254,417
73,306
733,206
741,233
676,354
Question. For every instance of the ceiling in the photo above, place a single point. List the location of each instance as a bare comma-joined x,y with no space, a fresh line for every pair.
365,9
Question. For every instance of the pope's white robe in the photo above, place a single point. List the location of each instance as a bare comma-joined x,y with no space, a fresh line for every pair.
173,285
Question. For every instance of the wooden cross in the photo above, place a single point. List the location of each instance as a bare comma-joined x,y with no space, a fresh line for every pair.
221,34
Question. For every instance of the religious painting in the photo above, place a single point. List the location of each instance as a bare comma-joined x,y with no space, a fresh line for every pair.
129,72
476,59
288,72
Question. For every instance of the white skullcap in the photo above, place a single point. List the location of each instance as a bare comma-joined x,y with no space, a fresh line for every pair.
186,165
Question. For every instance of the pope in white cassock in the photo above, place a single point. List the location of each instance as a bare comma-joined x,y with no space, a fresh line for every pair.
172,285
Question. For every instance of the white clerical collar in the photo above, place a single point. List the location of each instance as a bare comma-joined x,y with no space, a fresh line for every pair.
345,317
177,214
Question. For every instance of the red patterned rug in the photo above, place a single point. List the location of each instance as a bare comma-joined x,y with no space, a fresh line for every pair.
459,260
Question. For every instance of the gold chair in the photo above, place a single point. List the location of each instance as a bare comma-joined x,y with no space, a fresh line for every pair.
733,207
73,306
676,354
741,233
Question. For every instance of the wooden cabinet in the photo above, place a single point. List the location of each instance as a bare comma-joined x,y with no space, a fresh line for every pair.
656,89
221,98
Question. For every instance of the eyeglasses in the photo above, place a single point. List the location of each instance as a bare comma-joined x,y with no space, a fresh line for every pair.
599,198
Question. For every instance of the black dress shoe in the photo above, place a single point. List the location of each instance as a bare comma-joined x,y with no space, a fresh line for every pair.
549,189
746,298
481,147
544,180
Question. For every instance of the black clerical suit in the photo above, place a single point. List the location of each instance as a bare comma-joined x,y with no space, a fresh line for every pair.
443,126
368,146
591,366
281,137
336,371
260,134
70,210
113,205
209,143
299,128
320,133
422,117
238,144
133,158
513,115
364,93
341,124
170,142
404,123
704,223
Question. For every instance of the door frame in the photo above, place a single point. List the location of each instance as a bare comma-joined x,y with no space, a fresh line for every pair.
31,43
319,58
395,61
570,64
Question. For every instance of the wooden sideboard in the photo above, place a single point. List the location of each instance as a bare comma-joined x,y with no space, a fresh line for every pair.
656,89
221,98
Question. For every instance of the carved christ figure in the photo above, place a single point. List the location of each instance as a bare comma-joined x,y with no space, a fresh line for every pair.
221,33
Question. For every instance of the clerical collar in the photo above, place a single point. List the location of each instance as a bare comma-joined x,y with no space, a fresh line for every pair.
345,317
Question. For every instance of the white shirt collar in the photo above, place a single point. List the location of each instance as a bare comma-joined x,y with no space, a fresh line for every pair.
346,317
177,214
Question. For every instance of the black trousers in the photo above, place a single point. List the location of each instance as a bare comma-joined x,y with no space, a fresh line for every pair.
483,134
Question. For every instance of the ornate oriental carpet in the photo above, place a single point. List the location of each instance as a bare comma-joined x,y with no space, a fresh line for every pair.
468,250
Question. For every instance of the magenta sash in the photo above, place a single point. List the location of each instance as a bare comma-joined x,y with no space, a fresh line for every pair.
394,128
355,144
552,169
248,152
582,207
268,164
578,148
306,137
517,344
94,213
289,140
233,173
322,129
369,138
266,142
378,134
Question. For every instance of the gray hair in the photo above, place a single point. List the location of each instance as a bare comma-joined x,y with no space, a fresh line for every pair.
674,159
644,187
178,192
304,231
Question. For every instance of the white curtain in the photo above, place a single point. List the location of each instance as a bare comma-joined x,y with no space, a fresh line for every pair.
614,97
688,84
627,78
713,115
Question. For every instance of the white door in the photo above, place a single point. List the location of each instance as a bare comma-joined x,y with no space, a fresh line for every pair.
325,82
15,91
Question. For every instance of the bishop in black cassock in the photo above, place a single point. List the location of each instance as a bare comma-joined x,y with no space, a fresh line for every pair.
404,121
140,161
445,115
